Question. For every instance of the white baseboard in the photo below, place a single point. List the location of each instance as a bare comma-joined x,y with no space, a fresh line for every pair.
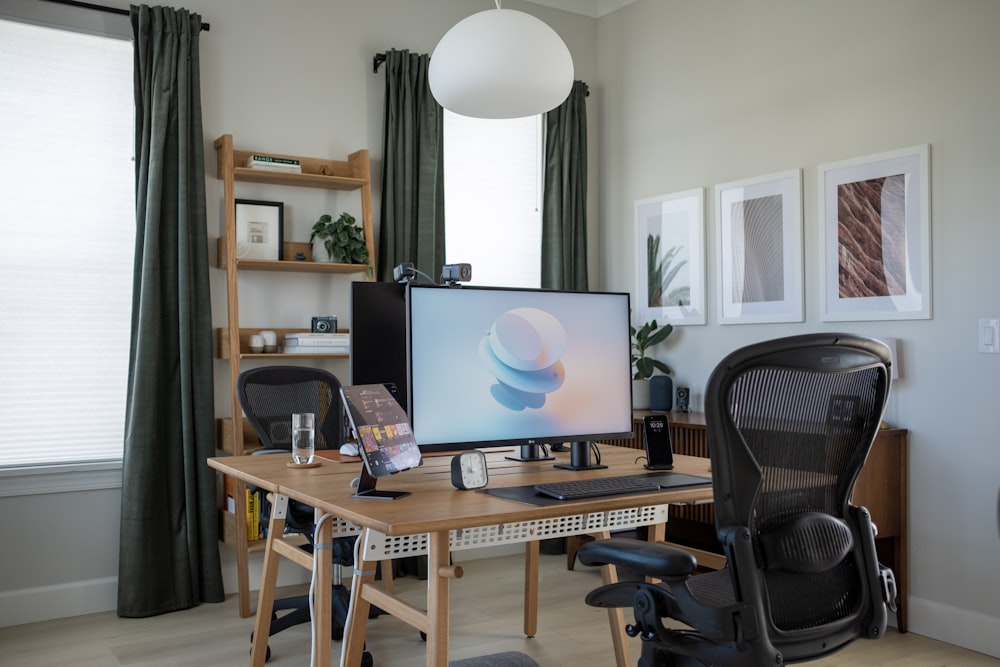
960,627
44,603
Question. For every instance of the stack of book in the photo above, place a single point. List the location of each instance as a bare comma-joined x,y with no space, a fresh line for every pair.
274,163
317,343
253,504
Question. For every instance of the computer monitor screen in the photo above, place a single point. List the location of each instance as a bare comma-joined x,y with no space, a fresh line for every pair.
498,366
378,334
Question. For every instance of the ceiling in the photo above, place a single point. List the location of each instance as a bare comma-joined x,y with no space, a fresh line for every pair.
592,8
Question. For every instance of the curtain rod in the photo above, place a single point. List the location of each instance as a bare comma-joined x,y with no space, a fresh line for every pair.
380,58
101,8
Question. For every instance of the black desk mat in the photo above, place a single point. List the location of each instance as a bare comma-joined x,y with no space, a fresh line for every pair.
527,494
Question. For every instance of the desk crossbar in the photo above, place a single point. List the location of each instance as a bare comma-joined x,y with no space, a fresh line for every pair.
379,546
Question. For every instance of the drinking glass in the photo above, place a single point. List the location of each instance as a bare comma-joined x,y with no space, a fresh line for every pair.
303,437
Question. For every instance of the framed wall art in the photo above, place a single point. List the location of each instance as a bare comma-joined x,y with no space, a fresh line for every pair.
670,258
759,227
875,218
259,229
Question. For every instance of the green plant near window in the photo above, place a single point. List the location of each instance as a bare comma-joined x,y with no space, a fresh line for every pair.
343,239
661,274
643,338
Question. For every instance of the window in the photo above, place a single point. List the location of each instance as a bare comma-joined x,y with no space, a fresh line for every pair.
67,224
493,198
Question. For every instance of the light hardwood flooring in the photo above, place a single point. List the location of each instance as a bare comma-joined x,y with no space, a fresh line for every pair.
486,618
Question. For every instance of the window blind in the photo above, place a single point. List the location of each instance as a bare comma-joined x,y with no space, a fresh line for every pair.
67,224
493,186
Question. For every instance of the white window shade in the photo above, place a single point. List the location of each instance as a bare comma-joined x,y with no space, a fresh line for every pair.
67,223
493,198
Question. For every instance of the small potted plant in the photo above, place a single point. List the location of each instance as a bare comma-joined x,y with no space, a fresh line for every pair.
339,240
645,337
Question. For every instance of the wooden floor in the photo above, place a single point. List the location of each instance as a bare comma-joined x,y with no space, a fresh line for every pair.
486,618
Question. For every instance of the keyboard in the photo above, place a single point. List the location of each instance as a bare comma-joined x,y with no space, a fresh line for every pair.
594,488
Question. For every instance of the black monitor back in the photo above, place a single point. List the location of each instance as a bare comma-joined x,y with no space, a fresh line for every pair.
378,335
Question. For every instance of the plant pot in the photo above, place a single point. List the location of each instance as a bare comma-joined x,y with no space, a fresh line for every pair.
640,394
319,251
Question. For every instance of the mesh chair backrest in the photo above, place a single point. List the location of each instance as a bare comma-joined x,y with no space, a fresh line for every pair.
790,425
270,395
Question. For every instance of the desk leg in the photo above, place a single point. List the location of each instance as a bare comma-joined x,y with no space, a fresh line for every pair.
531,551
357,616
616,615
268,579
322,595
438,588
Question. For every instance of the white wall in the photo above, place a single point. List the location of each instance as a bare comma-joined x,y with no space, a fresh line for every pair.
683,94
694,94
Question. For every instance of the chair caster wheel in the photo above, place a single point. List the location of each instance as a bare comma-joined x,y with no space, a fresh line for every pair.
367,660
267,654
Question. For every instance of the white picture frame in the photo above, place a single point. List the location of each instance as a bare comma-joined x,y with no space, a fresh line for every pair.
670,258
259,229
888,275
759,227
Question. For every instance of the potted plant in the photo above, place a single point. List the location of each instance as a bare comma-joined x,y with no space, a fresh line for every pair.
339,240
645,337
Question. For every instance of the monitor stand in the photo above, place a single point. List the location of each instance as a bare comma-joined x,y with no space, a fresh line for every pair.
531,453
366,488
579,457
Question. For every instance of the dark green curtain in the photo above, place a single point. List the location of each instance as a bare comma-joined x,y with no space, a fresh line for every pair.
564,202
169,554
412,168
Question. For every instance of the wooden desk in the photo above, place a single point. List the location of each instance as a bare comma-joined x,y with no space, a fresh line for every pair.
881,487
438,519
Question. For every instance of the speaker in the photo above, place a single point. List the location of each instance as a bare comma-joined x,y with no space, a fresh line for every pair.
661,393
683,399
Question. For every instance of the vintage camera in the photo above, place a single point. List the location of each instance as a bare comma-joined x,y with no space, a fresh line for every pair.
456,273
324,324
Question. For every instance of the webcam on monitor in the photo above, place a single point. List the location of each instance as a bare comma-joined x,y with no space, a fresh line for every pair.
456,273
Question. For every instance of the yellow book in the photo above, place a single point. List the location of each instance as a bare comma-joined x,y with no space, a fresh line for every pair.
251,502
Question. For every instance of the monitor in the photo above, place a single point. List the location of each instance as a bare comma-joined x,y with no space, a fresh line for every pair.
378,334
508,366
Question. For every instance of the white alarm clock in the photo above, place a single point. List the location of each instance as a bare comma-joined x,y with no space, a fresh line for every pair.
468,470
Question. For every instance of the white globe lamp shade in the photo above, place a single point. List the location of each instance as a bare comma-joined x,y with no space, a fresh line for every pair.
500,63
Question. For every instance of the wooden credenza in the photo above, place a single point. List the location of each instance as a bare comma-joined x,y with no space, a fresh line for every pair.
881,487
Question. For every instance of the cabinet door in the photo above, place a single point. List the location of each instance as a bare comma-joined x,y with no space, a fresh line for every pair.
878,485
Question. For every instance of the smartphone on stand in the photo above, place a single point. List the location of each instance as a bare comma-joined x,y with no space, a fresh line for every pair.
659,452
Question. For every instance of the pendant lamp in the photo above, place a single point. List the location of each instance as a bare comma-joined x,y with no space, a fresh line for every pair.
500,63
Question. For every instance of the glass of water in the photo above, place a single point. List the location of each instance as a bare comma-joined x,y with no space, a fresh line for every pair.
303,437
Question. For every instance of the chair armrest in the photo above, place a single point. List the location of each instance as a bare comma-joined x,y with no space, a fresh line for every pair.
646,558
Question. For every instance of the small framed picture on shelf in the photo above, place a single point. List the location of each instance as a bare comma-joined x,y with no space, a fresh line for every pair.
259,229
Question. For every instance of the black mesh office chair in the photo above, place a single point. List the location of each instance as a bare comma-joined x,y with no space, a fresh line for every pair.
269,396
790,423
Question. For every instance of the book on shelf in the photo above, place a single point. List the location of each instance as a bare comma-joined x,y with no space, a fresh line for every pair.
274,163
269,159
316,349
253,515
287,168
316,339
